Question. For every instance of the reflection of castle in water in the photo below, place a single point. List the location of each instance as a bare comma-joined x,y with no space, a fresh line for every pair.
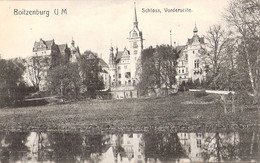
128,148
197,145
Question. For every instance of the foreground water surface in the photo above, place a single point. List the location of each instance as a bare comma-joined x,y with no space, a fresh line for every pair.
125,148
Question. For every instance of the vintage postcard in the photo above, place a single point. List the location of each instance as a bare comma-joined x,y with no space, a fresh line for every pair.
129,81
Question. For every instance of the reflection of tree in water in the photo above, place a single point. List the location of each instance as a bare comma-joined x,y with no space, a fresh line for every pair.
13,146
249,145
163,146
218,147
231,146
66,146
4,153
94,144
71,147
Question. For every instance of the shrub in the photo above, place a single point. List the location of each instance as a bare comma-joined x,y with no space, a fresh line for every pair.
209,98
242,98
183,87
200,94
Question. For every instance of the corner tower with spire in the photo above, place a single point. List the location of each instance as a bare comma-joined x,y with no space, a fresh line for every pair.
191,65
136,47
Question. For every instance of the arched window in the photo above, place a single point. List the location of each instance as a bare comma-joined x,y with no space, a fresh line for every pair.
196,63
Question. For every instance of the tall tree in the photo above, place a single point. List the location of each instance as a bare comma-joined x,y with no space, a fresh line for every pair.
11,72
67,147
166,57
90,72
15,148
35,68
163,146
244,17
158,67
214,53
149,78
65,79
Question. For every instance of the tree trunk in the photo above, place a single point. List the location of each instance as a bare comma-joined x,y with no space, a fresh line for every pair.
252,144
233,103
224,103
251,77
218,147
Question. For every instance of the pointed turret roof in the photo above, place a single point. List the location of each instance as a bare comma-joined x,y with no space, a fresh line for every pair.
111,56
135,32
72,42
135,17
195,30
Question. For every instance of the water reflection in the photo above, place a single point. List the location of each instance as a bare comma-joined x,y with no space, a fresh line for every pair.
126,148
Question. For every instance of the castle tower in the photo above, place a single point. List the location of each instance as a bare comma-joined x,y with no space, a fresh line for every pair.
195,63
136,47
112,68
111,57
195,35
74,52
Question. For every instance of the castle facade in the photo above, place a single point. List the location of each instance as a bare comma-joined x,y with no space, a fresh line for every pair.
124,66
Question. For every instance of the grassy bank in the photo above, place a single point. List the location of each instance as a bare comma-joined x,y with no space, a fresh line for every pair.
181,112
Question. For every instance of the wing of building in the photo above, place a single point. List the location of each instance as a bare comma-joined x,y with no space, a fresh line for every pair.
46,53
190,63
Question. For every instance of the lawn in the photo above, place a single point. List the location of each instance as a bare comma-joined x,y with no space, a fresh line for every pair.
181,112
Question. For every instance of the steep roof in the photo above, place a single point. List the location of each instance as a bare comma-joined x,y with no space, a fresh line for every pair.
62,47
179,48
47,44
119,55
190,40
102,63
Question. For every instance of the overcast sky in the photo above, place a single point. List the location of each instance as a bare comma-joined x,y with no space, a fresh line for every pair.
95,24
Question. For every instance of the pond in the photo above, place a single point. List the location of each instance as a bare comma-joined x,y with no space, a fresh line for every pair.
151,147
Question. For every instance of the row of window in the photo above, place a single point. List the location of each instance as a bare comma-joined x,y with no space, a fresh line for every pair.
40,46
127,75
119,67
126,61
126,82
43,52
185,135
119,83
183,77
196,63
186,142
193,52
182,70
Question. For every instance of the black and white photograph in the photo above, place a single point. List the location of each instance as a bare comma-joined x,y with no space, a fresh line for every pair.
129,81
